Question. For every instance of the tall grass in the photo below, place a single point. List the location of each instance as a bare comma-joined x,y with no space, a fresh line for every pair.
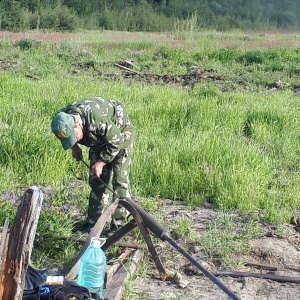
231,142
230,149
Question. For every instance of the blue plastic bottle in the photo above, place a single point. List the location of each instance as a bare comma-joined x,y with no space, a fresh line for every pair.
92,267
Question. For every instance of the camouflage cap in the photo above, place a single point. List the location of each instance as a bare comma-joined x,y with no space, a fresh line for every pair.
63,127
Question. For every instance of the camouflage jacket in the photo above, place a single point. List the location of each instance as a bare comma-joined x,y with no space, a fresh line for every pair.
103,124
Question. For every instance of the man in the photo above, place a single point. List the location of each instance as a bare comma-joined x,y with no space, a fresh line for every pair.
104,127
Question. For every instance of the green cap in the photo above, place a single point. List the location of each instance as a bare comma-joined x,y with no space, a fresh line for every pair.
63,127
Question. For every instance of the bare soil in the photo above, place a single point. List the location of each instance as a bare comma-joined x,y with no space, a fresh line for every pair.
270,249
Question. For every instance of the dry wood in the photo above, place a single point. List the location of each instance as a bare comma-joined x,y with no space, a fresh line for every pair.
274,277
3,228
266,267
127,69
272,268
3,243
20,244
95,232
292,268
128,62
116,288
111,270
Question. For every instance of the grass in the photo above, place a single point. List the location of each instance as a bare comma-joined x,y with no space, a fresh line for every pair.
231,139
224,241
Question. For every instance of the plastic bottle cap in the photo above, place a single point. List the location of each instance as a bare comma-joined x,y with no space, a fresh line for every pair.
95,243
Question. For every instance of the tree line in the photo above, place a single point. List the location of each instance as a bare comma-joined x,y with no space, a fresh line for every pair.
148,15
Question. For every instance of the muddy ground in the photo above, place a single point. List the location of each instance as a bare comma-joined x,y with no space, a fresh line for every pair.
269,250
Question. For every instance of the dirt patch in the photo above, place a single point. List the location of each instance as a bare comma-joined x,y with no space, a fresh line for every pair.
281,253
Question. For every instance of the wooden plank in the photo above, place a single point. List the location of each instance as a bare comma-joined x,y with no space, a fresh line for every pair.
95,232
20,244
116,287
111,270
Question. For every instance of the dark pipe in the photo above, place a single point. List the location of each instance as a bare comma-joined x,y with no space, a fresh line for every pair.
161,233
208,274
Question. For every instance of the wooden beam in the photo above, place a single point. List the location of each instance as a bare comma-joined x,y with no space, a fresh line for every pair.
20,243
111,270
95,232
115,289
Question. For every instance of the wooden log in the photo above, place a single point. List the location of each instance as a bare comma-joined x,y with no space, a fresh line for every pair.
116,287
95,232
19,246
112,270
3,243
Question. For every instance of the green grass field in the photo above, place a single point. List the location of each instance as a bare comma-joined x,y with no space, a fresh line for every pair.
230,138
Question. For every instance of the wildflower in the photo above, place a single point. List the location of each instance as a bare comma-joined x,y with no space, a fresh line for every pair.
49,195
47,205
5,194
65,207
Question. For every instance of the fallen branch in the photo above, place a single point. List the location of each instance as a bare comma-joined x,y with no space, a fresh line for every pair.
273,277
127,69
266,267
271,268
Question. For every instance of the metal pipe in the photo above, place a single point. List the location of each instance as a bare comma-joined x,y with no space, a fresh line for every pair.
162,233
208,274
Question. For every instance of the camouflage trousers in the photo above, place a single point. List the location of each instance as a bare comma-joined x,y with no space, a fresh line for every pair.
116,175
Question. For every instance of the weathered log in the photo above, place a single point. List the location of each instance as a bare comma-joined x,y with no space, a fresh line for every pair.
113,269
19,246
116,288
3,243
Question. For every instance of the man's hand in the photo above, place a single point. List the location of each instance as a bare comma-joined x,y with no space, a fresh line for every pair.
97,168
77,152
